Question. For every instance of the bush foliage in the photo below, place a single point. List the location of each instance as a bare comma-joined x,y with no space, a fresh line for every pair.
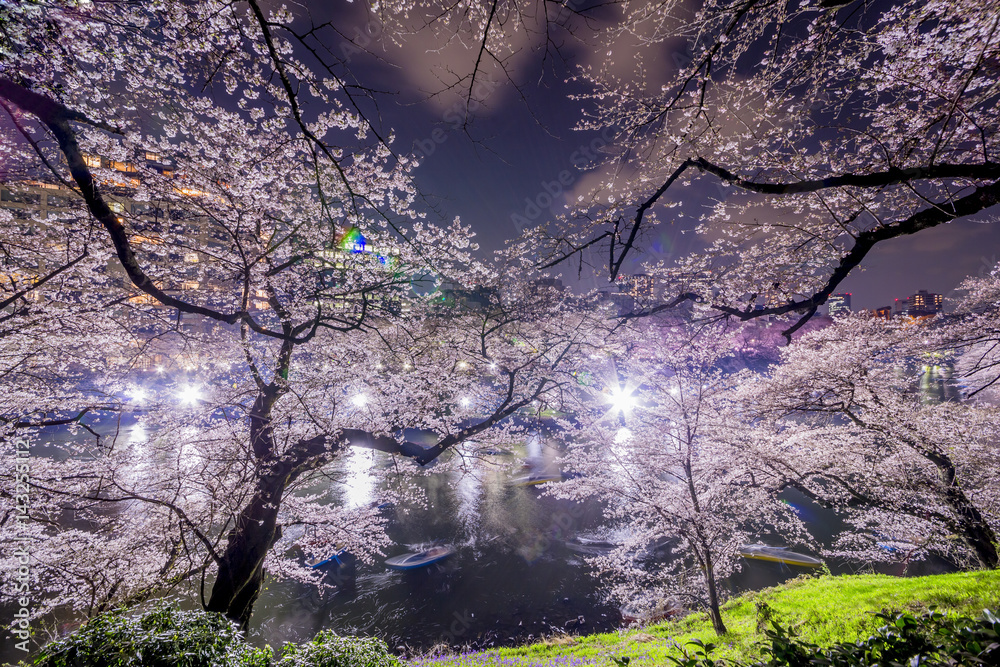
163,637
932,638
167,637
327,649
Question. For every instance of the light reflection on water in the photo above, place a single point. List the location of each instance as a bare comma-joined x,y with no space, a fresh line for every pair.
511,575
511,579
360,481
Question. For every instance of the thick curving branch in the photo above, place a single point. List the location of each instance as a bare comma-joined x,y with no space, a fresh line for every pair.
981,198
57,118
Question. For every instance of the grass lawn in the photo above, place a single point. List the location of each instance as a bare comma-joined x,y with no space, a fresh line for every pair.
825,610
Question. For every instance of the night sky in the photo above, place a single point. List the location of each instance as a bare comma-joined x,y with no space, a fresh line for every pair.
521,139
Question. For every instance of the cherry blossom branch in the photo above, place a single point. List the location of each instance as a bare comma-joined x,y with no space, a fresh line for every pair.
57,118
981,198
41,281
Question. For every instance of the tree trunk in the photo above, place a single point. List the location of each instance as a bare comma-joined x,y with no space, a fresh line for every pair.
713,596
972,526
241,569
974,530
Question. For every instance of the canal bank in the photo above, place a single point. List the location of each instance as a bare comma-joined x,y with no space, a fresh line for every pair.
823,609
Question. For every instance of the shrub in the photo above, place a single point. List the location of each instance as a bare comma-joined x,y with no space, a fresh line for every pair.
327,649
163,637
931,638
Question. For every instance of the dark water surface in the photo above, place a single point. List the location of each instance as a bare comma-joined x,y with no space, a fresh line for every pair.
512,578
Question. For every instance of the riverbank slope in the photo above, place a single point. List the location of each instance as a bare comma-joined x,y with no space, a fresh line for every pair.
824,610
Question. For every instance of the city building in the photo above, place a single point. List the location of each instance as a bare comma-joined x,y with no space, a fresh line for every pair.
639,286
839,305
921,304
883,313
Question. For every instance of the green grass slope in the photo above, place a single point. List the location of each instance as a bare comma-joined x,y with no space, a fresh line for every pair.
824,610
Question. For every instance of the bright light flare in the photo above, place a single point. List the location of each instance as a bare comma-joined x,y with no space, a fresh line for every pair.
623,401
360,401
189,395
466,401
137,394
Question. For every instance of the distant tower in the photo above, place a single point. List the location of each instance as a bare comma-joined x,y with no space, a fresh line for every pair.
839,304
924,304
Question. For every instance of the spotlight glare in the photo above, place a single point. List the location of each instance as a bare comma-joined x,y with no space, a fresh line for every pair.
189,395
622,401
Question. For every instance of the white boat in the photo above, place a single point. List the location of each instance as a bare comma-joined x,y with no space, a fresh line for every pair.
537,478
590,546
411,561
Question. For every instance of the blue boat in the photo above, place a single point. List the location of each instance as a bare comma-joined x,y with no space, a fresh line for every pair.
335,558
412,561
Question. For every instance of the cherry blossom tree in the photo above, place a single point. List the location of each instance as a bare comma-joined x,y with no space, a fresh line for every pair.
843,419
667,450
973,331
829,127
244,221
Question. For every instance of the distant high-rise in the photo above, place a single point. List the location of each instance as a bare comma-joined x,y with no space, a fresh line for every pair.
921,304
638,286
839,304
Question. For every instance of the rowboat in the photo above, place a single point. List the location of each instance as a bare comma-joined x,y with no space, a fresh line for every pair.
778,555
535,479
411,561
335,559
589,546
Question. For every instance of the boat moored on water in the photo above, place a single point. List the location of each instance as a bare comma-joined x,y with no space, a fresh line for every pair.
535,479
590,546
336,559
411,561
778,555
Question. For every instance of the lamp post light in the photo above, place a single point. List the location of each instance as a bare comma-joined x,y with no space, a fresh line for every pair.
189,395
622,400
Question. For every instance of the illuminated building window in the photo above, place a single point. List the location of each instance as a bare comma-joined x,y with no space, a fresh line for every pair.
191,258
839,304
92,161
189,285
153,157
